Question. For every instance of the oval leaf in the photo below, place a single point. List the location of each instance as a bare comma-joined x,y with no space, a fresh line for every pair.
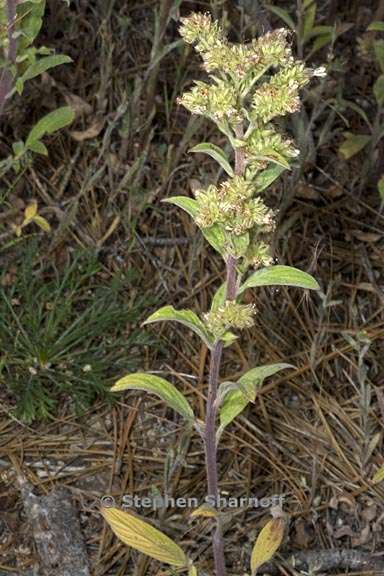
267,543
143,537
186,317
42,223
50,123
218,299
266,177
378,475
234,401
378,90
189,205
31,210
280,276
158,386
216,153
216,237
204,510
44,64
380,187
376,26
353,144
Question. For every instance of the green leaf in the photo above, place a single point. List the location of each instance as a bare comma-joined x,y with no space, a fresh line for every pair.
280,276
234,401
30,15
42,223
38,147
51,123
18,148
321,41
239,245
380,187
189,205
353,144
376,26
216,237
186,317
309,21
379,53
268,176
378,475
274,157
216,153
218,299
19,86
44,64
158,386
283,14
378,90
228,339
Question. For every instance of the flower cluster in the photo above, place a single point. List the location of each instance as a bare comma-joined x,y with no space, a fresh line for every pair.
217,101
231,205
265,145
258,254
199,29
280,95
230,315
250,85
272,49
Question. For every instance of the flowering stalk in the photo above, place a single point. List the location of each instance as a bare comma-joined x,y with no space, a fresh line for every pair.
236,221
214,374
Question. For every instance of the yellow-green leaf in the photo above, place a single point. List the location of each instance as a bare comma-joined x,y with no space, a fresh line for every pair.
192,570
187,204
50,123
186,317
380,187
376,26
235,397
378,90
353,144
280,276
42,222
143,537
267,543
31,210
158,386
268,176
44,64
379,475
204,510
215,235
216,153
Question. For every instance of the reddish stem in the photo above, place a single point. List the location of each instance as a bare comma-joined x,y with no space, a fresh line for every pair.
210,443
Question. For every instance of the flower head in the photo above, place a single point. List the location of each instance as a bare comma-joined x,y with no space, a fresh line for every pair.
199,29
230,315
266,145
217,101
232,206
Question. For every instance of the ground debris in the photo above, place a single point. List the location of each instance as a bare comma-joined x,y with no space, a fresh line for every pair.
56,531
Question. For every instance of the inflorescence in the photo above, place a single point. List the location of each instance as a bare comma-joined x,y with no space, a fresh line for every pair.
250,85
